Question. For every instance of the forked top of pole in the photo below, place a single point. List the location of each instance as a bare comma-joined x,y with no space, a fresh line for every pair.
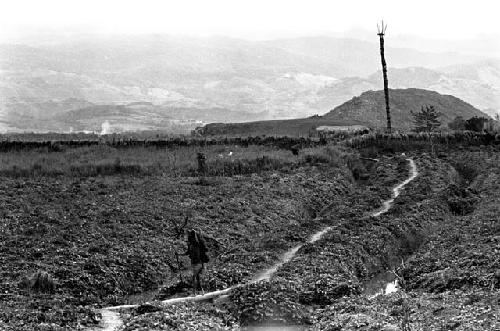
381,29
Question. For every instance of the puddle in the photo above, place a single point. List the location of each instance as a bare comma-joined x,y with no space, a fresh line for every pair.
386,282
110,321
383,283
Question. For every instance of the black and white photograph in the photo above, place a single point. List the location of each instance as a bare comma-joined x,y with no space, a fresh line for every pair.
263,165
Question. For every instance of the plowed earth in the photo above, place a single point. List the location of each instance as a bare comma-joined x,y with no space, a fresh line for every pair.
105,239
440,238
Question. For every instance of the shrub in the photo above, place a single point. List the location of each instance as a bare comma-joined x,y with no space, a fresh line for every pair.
355,165
457,124
316,159
462,201
475,123
467,170
40,282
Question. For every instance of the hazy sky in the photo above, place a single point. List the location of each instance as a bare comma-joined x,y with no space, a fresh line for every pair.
252,19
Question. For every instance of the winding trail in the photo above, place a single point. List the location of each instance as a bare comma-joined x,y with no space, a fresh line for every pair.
111,320
396,191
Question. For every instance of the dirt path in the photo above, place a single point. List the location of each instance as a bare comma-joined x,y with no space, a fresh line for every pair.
111,320
396,191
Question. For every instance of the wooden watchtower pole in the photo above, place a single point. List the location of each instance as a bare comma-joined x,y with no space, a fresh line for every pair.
381,33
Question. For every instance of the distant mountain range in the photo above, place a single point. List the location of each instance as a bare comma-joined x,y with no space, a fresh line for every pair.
369,107
189,80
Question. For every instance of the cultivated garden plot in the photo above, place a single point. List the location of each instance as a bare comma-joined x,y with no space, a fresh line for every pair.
116,239
327,285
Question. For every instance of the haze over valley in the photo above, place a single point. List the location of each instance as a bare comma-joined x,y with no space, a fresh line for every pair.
163,82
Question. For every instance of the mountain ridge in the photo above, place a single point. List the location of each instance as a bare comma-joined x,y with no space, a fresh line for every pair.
280,79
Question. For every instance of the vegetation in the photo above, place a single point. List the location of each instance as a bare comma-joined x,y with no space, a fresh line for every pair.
458,124
107,235
39,282
441,141
427,120
475,124
113,236
368,108
101,160
325,287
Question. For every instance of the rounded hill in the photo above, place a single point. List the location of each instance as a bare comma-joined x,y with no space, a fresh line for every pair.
369,107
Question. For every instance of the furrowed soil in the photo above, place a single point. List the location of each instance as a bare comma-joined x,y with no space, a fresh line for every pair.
451,281
113,240
440,238
110,240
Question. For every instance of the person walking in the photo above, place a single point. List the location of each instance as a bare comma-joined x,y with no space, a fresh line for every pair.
197,252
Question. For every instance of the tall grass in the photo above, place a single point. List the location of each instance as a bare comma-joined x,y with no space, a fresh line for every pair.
221,160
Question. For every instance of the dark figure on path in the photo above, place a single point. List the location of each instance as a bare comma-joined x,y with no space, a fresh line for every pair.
197,252
202,165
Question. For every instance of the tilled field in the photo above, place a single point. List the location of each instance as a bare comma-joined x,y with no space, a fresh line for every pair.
278,300
452,281
440,238
104,239
356,248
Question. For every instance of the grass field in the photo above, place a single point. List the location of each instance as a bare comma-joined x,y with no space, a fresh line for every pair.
181,161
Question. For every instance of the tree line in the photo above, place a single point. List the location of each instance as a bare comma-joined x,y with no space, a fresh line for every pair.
427,120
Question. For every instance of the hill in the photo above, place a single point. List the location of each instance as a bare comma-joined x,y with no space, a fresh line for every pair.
369,107
477,84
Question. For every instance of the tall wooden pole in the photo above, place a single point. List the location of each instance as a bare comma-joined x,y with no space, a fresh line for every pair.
381,33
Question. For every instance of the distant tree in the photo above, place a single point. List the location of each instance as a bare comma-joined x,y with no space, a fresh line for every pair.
475,123
497,117
427,120
457,124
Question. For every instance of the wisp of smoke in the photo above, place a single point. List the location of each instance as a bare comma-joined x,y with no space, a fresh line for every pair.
105,127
